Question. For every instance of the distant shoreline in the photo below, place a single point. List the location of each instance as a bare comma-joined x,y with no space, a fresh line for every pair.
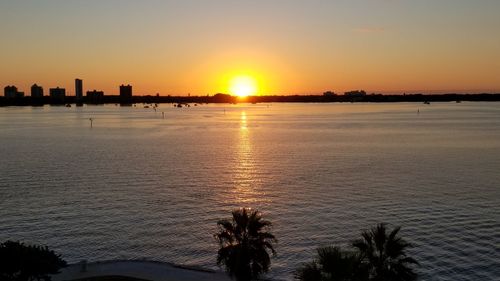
223,98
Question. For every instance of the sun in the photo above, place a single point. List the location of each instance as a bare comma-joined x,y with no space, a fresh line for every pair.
243,86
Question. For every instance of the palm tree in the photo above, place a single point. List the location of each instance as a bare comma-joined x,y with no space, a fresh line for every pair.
244,243
333,264
385,256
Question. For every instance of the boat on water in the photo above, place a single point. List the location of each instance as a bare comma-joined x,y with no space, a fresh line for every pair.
427,102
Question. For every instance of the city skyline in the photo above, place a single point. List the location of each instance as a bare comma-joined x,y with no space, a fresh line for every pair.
125,92
287,47
38,89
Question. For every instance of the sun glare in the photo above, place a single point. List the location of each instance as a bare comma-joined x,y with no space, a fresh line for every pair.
243,86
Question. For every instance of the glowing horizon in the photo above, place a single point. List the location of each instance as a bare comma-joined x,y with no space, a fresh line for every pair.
287,47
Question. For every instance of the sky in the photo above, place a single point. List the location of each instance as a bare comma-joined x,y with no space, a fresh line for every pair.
287,46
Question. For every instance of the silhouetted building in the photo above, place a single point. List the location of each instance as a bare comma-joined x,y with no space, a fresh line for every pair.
12,92
126,91
57,95
78,89
95,96
125,94
329,94
36,91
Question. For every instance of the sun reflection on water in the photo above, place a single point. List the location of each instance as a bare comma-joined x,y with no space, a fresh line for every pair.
243,121
245,183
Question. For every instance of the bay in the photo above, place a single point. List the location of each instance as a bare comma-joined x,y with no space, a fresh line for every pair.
142,184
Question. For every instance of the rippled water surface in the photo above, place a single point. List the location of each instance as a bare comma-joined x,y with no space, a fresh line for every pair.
137,185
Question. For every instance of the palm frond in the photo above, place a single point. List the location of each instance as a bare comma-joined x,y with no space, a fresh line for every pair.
245,243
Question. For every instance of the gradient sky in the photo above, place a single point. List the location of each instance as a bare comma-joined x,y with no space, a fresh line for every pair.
289,46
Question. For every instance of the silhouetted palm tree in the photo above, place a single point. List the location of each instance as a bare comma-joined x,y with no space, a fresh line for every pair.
385,255
332,264
244,243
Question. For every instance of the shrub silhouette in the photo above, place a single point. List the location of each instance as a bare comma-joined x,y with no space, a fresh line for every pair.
19,262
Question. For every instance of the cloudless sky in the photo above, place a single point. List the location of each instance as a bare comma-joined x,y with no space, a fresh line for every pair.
289,46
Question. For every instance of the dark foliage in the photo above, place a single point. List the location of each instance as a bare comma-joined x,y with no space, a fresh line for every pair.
333,264
19,262
378,256
244,244
385,255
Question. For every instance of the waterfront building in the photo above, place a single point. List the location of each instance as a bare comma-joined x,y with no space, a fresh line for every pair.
12,92
36,91
79,89
95,96
57,93
125,92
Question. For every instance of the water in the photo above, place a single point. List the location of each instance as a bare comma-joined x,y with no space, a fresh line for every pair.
140,186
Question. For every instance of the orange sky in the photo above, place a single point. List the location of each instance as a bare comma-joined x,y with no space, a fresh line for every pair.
289,47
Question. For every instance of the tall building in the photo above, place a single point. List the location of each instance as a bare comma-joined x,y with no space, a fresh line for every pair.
36,91
126,94
12,92
79,89
126,91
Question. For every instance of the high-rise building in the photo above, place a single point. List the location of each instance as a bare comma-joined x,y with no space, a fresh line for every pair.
125,91
126,94
12,92
36,91
79,89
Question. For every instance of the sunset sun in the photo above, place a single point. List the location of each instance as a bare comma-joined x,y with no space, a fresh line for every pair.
243,86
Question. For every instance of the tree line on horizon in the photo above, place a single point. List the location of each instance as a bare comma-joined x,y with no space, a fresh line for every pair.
246,246
225,98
